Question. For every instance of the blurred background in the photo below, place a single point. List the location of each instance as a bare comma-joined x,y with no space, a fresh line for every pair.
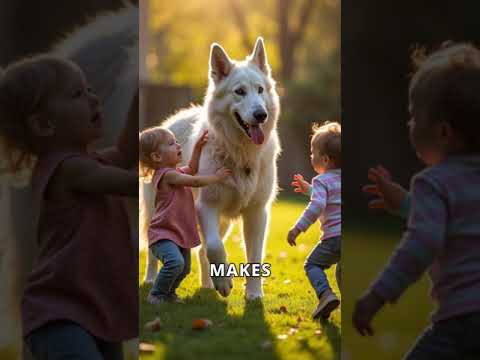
377,40
302,40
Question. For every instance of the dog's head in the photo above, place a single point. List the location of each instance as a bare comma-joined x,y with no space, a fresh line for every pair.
242,93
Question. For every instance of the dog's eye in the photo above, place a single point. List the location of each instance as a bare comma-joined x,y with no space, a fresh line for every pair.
260,90
240,92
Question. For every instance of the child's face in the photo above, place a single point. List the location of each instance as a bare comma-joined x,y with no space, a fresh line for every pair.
430,141
320,162
169,152
73,109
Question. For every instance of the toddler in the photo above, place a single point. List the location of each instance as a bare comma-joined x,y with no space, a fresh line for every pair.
173,228
325,205
81,298
443,207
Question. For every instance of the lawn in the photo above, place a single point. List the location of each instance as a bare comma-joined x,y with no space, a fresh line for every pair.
279,327
367,244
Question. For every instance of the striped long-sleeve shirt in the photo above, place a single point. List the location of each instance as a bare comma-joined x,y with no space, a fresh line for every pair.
443,236
325,204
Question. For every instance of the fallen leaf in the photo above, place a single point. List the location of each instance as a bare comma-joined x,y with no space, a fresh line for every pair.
283,309
282,255
299,319
267,344
154,325
146,347
288,281
201,324
318,332
292,331
282,336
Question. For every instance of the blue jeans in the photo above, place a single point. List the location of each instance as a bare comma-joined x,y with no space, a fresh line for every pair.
451,339
176,266
66,340
325,254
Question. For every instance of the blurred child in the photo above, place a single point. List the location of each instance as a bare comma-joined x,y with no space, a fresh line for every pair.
443,234
325,205
80,300
173,228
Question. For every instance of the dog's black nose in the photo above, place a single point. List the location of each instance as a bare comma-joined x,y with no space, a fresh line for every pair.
260,116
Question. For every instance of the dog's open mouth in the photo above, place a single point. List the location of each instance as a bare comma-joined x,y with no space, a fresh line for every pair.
254,132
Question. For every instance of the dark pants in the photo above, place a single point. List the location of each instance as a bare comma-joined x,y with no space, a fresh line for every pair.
452,339
325,254
62,340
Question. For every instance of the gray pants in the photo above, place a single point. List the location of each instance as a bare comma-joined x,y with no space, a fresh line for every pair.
65,340
451,339
325,254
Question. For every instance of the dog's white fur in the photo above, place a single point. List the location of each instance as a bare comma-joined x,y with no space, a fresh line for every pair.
113,70
245,195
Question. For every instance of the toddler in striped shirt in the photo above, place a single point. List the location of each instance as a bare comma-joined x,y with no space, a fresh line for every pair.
443,207
325,205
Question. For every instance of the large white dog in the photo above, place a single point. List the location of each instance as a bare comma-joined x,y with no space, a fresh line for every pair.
240,111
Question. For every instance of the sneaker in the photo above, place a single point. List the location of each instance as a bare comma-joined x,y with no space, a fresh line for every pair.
156,299
327,303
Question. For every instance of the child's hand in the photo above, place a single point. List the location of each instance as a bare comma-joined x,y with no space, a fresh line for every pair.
292,236
202,140
389,193
365,310
301,186
223,173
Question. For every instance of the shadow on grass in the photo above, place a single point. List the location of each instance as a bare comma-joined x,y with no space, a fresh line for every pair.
231,336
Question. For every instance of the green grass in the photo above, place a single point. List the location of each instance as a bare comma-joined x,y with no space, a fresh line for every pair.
243,330
367,245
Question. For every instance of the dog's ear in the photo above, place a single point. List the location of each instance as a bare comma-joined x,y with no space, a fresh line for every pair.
259,56
220,63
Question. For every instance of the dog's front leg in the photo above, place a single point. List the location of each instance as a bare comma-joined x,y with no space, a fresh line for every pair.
255,224
208,218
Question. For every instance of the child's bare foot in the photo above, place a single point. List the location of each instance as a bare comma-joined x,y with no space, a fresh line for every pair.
327,303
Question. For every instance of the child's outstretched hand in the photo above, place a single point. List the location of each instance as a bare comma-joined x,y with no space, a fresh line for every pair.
202,140
292,236
389,193
300,185
223,173
365,310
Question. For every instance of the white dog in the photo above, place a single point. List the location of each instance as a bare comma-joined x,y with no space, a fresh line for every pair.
240,111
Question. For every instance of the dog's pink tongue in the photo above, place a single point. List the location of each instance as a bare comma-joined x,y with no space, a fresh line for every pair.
257,135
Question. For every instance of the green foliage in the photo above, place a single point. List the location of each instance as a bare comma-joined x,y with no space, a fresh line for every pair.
243,330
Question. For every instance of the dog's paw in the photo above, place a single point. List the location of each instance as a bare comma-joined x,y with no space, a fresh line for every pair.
253,295
253,289
223,284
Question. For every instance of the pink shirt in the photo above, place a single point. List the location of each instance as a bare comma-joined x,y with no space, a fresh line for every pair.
175,217
87,267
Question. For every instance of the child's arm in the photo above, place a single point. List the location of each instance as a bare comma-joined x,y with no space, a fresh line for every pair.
87,175
179,179
125,153
390,196
311,213
300,185
423,241
192,168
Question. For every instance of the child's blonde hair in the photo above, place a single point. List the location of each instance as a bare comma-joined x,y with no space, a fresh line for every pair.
446,87
327,140
25,87
149,141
